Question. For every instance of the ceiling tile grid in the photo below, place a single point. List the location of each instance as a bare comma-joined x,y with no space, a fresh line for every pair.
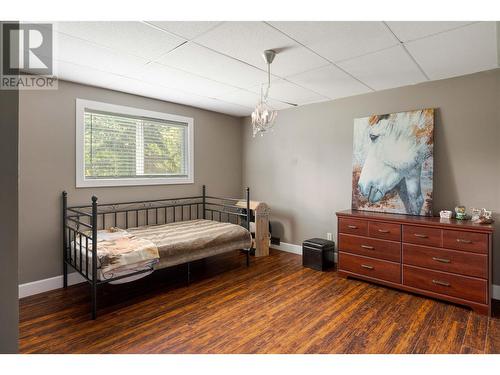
161,75
83,74
330,82
461,51
385,69
407,31
135,38
219,65
289,92
200,60
85,53
242,39
188,30
338,41
249,99
137,87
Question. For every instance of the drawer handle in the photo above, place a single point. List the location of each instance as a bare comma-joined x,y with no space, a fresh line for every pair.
442,260
463,241
420,235
367,247
367,266
384,231
443,283
352,227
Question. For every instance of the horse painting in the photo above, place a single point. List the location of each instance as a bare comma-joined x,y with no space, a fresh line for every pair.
393,163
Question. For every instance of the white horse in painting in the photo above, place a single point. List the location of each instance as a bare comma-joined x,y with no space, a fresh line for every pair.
399,144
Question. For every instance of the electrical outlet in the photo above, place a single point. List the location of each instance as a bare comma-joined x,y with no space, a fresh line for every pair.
329,236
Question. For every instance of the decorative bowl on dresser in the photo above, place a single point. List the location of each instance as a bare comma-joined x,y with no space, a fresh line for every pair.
441,258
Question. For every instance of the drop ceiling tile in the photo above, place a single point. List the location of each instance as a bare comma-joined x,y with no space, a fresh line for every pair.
81,74
385,69
339,40
80,52
285,91
177,79
202,61
135,38
249,99
411,30
217,105
330,82
247,40
295,60
185,29
462,51
136,87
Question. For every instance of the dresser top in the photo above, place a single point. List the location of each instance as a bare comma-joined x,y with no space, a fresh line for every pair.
418,220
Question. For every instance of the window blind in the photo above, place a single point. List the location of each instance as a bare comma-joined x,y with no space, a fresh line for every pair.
123,146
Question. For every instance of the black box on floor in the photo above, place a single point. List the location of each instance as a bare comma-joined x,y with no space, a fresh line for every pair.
317,253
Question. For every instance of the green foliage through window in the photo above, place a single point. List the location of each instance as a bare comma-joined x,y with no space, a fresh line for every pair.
118,146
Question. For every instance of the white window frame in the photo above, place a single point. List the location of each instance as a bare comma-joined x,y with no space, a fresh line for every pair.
81,181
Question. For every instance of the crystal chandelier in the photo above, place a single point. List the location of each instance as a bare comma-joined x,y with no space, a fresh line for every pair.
263,116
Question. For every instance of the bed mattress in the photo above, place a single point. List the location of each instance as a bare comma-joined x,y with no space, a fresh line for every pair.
174,243
186,241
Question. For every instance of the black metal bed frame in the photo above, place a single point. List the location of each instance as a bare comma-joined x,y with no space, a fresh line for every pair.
82,222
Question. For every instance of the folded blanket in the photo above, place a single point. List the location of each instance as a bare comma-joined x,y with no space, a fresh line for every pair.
119,251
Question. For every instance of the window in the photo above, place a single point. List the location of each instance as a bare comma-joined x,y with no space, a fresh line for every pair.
119,145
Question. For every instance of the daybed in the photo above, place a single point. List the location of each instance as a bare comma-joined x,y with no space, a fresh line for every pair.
121,242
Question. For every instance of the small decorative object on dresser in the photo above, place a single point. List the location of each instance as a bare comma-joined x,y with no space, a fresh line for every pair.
475,213
481,216
317,253
449,260
461,213
445,214
485,217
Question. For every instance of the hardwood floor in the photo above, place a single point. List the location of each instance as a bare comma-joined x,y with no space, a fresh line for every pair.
274,306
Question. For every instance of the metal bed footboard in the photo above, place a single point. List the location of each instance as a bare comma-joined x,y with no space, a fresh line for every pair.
81,223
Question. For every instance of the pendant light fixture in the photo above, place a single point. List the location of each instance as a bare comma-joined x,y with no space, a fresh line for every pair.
263,116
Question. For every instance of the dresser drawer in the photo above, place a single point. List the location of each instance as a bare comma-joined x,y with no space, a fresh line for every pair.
353,226
370,247
466,241
446,260
385,231
468,288
378,269
422,235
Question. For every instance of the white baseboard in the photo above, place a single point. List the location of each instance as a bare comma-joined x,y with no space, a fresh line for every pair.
295,249
288,247
45,285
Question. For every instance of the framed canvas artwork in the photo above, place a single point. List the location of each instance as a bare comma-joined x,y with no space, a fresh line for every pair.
393,163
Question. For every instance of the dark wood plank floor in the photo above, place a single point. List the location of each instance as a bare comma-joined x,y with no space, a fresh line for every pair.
274,306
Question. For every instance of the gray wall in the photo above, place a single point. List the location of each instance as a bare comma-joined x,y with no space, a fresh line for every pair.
9,315
47,166
303,168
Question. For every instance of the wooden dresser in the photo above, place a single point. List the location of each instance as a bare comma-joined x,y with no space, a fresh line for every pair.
444,259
